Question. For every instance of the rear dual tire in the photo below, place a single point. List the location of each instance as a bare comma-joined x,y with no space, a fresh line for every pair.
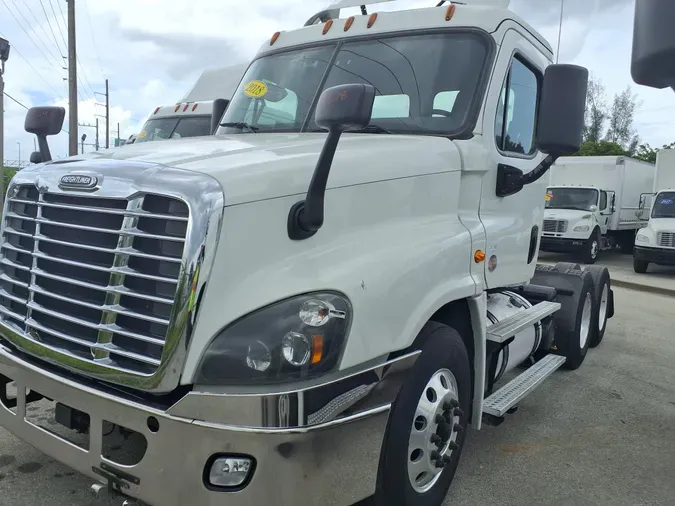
573,322
602,294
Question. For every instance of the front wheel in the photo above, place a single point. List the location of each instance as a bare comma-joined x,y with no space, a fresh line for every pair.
427,425
591,249
640,266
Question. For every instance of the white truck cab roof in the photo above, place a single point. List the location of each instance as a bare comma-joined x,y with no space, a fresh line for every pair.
487,15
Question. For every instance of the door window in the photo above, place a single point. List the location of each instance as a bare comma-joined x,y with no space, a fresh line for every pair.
516,120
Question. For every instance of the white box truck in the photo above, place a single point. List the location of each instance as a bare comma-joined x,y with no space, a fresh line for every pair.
307,308
655,243
592,204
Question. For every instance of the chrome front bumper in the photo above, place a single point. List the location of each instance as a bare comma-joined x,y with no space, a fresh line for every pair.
333,462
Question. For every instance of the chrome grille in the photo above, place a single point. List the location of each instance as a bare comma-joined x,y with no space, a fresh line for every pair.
666,239
92,277
555,226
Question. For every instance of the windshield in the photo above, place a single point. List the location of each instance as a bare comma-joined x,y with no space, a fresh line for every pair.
174,128
425,84
571,198
664,205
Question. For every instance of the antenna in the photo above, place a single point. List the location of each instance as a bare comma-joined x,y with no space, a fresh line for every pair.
562,10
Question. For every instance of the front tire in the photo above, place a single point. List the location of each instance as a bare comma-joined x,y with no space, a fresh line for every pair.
427,424
640,266
591,250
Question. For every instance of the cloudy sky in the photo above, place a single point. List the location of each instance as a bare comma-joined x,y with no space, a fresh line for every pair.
152,51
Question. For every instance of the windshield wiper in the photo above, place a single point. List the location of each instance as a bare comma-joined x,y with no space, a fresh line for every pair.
240,124
370,129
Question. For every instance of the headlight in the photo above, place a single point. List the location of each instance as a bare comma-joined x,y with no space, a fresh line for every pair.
641,238
582,228
294,339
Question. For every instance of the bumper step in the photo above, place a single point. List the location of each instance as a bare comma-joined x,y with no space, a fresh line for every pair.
509,327
519,387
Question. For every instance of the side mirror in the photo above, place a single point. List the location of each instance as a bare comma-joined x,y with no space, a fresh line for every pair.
593,208
560,122
653,59
44,121
36,157
340,108
560,125
219,107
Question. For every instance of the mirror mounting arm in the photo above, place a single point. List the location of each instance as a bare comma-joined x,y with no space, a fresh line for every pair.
510,180
306,216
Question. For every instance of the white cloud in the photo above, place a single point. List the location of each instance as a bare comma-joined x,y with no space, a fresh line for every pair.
153,50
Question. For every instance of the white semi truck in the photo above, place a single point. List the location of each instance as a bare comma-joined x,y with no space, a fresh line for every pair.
197,114
591,204
655,243
309,309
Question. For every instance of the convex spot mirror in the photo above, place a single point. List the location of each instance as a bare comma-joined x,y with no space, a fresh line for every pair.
560,121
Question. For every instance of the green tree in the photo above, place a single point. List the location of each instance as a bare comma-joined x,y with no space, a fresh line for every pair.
601,148
646,153
596,111
621,118
610,130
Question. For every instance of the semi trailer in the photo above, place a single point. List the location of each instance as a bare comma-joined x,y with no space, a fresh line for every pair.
592,204
315,304
655,243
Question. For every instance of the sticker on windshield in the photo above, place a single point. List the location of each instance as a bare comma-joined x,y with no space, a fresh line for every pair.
549,196
256,89
142,134
666,202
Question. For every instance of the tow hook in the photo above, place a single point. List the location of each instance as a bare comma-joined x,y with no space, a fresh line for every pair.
103,491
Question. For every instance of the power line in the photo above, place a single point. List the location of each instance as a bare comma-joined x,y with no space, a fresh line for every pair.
36,34
14,100
40,25
19,103
61,30
93,37
27,34
50,27
14,49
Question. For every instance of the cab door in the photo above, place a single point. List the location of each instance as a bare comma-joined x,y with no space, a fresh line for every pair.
513,224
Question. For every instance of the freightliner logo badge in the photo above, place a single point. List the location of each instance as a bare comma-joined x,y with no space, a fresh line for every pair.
76,181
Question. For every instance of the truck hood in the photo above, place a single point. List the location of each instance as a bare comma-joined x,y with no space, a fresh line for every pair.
570,215
252,167
662,224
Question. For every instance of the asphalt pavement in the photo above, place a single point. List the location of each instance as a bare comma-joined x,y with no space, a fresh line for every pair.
601,435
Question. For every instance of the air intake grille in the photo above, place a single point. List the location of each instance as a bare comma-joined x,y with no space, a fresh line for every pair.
555,226
93,277
666,239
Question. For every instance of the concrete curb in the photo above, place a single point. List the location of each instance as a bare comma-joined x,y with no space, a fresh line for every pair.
632,285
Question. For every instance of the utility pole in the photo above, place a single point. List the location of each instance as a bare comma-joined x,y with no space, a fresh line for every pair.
107,116
72,80
96,145
4,56
107,113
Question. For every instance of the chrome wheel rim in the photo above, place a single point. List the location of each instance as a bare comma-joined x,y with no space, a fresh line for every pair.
585,327
604,302
434,432
594,249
